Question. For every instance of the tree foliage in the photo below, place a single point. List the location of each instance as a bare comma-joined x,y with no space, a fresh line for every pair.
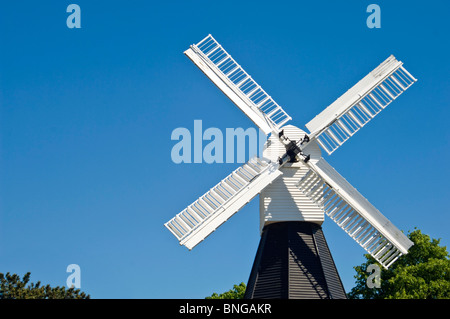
423,273
12,287
236,293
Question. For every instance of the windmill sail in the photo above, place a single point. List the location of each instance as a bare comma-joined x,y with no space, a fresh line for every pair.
231,78
344,117
353,213
207,213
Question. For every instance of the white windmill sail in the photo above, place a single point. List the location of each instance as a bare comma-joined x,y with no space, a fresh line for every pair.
211,210
353,213
355,108
231,78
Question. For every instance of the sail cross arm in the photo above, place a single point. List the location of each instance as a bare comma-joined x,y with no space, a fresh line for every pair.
360,104
353,213
206,214
212,59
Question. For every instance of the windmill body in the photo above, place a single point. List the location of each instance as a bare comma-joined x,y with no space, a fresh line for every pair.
282,200
296,186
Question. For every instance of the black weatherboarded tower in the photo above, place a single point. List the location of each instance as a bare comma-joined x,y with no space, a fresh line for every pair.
293,261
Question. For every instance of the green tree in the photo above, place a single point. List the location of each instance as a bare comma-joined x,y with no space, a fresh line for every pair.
236,293
12,287
423,273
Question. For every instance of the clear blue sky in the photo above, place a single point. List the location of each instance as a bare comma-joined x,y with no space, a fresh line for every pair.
86,117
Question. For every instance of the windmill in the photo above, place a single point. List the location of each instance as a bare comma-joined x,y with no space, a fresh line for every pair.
297,187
